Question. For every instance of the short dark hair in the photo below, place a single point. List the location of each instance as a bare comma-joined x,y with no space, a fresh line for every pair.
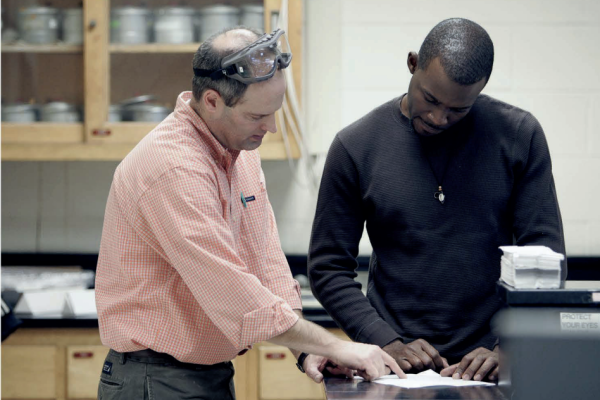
207,57
464,48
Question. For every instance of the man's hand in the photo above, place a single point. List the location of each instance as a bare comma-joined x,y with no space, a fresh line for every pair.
479,364
370,362
314,366
416,356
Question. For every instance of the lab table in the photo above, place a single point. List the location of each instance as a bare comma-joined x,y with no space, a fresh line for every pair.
345,389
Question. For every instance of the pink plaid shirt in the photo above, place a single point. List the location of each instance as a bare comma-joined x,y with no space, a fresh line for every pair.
185,266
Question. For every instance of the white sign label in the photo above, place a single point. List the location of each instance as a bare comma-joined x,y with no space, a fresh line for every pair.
583,322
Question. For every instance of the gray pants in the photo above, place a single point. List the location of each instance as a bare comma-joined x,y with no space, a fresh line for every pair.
154,376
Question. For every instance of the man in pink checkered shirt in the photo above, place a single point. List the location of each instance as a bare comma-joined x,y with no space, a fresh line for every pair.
191,273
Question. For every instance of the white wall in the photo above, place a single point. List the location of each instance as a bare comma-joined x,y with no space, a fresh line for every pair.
547,61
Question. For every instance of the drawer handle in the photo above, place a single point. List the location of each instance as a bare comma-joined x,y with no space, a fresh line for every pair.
275,356
101,132
83,354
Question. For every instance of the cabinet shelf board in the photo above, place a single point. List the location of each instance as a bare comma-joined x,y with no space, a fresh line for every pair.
153,48
124,132
64,152
42,132
42,48
97,152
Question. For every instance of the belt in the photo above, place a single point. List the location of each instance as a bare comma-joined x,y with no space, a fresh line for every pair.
149,356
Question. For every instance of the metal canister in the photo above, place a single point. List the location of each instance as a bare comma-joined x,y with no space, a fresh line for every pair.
130,25
174,25
19,112
253,16
149,112
39,25
115,113
215,18
59,111
127,104
73,25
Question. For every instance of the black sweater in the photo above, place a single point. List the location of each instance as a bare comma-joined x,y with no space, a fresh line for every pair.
436,264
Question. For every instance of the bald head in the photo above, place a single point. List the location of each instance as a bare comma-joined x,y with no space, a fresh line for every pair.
209,56
233,40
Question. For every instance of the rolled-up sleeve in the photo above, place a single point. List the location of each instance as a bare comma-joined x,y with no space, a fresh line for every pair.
183,218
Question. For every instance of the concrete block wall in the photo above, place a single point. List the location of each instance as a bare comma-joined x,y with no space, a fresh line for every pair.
547,61
54,207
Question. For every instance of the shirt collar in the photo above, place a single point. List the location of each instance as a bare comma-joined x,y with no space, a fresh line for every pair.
184,111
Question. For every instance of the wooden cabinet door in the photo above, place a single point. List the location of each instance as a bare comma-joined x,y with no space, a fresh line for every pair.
280,379
84,364
29,372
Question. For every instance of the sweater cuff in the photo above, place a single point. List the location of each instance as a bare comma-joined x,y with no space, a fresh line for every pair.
379,333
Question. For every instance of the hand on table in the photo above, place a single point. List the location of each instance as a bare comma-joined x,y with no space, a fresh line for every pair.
369,361
416,356
478,365
316,366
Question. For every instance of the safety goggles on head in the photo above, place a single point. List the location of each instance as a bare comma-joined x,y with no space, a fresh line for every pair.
256,62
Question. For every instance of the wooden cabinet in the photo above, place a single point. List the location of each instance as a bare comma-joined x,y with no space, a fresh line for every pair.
66,364
52,364
29,372
99,73
280,379
84,364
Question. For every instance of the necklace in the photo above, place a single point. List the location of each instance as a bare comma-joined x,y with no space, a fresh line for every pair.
439,193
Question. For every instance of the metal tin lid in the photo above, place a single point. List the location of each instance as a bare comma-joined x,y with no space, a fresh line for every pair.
39,11
252,8
139,11
137,100
57,107
219,9
17,107
150,108
175,11
75,12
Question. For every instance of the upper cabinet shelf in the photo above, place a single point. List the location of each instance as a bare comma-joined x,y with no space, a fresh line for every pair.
154,48
41,48
96,77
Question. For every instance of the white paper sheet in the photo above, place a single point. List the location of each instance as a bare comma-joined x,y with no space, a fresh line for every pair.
426,379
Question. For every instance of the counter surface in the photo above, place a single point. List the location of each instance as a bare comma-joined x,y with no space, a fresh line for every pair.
343,389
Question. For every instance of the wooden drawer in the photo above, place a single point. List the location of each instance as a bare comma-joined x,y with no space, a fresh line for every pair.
84,364
280,379
29,372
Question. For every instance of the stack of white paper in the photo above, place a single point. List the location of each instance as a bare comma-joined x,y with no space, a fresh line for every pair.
530,267
58,303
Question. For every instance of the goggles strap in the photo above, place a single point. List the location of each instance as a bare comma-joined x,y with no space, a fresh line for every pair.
215,74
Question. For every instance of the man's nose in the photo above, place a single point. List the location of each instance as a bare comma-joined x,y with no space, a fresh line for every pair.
438,116
270,124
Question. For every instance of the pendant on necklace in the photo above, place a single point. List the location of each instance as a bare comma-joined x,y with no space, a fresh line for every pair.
440,195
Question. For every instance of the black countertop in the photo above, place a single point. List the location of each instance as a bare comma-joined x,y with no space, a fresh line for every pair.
343,389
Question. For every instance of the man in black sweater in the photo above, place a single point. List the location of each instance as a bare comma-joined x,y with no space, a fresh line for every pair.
442,176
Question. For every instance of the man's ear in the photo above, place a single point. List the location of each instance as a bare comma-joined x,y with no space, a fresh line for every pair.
412,61
211,101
